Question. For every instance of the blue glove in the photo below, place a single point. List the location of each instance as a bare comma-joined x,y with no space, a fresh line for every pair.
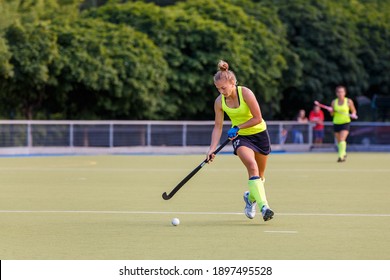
233,132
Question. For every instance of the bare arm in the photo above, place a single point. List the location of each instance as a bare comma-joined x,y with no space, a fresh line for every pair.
254,107
332,105
217,130
352,107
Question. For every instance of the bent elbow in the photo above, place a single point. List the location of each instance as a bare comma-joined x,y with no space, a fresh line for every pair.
258,120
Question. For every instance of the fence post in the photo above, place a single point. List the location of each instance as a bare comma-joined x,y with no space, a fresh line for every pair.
310,136
149,135
29,135
111,136
184,136
71,133
281,142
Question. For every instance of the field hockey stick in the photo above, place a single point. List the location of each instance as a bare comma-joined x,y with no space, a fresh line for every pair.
166,196
323,106
330,109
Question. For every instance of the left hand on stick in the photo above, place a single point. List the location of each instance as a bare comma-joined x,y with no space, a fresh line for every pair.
210,156
232,133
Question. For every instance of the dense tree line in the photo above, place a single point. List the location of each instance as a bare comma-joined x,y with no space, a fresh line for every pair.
118,59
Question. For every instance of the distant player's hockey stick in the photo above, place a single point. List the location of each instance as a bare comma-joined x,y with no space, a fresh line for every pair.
189,176
330,109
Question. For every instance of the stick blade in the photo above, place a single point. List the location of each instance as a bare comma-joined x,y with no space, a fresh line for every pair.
165,196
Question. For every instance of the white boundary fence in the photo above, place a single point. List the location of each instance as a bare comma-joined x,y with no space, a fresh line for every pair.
57,137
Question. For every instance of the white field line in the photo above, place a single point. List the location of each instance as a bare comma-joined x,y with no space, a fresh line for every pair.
182,213
281,231
177,170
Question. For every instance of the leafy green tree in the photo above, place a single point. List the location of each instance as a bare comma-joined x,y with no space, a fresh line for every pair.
87,4
267,13
327,43
192,46
163,2
373,23
136,60
6,72
8,11
79,68
264,72
33,48
109,71
30,49
5,55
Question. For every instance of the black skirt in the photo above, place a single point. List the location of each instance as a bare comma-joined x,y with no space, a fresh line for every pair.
259,143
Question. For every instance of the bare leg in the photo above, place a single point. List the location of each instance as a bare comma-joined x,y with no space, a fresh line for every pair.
261,164
341,144
247,157
255,164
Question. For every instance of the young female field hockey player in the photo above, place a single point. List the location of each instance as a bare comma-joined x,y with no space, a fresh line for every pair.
341,106
249,135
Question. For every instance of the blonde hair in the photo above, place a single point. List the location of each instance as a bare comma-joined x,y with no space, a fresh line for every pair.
224,72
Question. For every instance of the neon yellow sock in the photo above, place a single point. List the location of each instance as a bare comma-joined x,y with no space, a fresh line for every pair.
339,149
342,149
257,191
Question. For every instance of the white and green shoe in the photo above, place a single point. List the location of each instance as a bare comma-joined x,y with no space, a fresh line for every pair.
250,207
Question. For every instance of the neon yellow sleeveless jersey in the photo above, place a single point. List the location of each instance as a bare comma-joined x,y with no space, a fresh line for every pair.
341,112
241,115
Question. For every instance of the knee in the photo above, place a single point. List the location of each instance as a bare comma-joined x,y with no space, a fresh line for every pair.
252,168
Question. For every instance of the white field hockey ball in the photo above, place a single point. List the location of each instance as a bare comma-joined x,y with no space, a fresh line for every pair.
175,221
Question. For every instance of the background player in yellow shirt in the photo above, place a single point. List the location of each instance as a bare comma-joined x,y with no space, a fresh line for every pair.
249,135
341,120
